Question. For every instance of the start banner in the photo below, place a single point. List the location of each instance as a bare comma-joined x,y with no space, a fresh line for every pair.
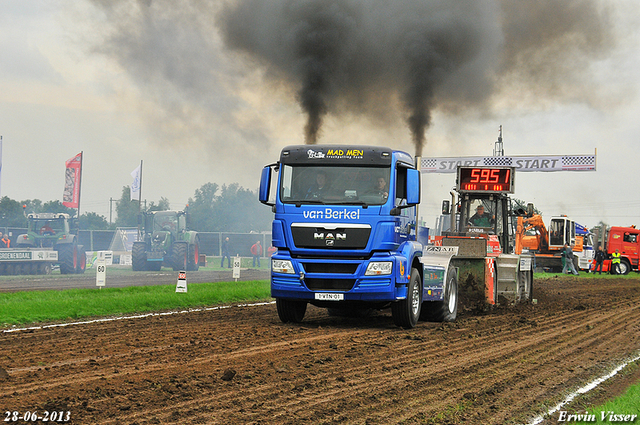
521,163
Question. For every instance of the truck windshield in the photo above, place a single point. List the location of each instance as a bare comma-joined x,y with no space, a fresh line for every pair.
305,184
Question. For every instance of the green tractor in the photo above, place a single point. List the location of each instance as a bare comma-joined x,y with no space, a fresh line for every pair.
166,241
59,232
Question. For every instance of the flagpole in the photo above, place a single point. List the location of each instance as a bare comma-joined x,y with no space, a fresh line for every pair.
140,192
80,184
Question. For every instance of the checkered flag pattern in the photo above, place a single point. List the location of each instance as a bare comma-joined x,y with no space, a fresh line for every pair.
498,161
429,163
581,161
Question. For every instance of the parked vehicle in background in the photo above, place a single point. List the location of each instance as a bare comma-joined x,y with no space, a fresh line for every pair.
51,238
165,240
627,241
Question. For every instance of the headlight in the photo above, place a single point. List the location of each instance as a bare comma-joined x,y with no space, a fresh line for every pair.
376,268
282,266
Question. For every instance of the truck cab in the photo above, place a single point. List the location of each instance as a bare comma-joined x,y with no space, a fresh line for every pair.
345,231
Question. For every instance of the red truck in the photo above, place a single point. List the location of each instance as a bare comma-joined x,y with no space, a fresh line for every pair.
627,241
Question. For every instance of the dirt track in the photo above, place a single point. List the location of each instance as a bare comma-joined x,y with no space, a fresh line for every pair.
241,365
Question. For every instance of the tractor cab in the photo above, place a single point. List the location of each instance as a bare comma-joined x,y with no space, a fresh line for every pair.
45,229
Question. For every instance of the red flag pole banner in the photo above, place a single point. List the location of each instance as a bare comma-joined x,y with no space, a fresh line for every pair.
71,196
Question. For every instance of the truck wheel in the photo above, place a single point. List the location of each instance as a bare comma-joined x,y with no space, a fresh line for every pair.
193,263
68,258
625,268
139,256
406,312
447,309
179,256
290,310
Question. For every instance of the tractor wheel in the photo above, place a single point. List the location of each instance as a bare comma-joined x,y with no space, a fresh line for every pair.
290,310
139,256
193,263
447,309
82,260
179,256
406,312
68,258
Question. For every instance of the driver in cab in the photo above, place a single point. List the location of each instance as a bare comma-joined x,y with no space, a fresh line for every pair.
480,218
319,189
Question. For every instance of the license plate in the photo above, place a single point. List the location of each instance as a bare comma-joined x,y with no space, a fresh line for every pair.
327,296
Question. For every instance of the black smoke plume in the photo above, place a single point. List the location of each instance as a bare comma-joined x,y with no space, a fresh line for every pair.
426,53
361,57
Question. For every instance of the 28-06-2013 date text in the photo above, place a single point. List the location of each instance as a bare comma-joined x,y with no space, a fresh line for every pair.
46,416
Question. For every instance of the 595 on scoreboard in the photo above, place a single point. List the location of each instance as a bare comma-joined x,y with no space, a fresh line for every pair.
486,179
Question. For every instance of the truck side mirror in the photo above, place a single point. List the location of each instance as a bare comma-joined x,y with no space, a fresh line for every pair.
413,187
265,185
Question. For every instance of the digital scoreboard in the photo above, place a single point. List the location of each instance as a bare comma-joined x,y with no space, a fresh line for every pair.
485,179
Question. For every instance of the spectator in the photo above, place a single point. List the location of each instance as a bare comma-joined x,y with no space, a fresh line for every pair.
567,253
256,251
2,242
599,257
615,262
5,241
225,252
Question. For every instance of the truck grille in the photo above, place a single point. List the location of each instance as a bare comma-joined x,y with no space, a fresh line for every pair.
345,268
342,236
329,284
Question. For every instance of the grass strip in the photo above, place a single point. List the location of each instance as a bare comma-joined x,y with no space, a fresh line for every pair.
43,306
623,407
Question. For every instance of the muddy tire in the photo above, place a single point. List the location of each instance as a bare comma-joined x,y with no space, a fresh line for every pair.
139,256
406,312
193,260
179,256
447,309
290,310
68,258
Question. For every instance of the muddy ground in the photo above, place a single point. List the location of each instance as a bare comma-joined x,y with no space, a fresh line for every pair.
241,365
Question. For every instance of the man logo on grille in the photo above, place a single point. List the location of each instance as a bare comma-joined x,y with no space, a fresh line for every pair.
330,238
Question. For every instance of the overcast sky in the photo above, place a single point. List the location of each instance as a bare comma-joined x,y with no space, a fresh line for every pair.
125,81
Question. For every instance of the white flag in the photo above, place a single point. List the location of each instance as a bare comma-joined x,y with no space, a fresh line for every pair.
135,186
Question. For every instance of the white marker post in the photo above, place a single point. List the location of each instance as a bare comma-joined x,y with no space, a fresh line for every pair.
101,272
182,282
236,268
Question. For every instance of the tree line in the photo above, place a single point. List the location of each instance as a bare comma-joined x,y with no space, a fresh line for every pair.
213,208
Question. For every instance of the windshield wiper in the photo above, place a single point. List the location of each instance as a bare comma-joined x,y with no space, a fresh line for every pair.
364,204
308,201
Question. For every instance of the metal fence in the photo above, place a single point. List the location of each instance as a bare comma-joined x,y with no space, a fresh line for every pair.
210,242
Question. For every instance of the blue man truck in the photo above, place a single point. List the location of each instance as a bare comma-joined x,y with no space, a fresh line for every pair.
345,233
